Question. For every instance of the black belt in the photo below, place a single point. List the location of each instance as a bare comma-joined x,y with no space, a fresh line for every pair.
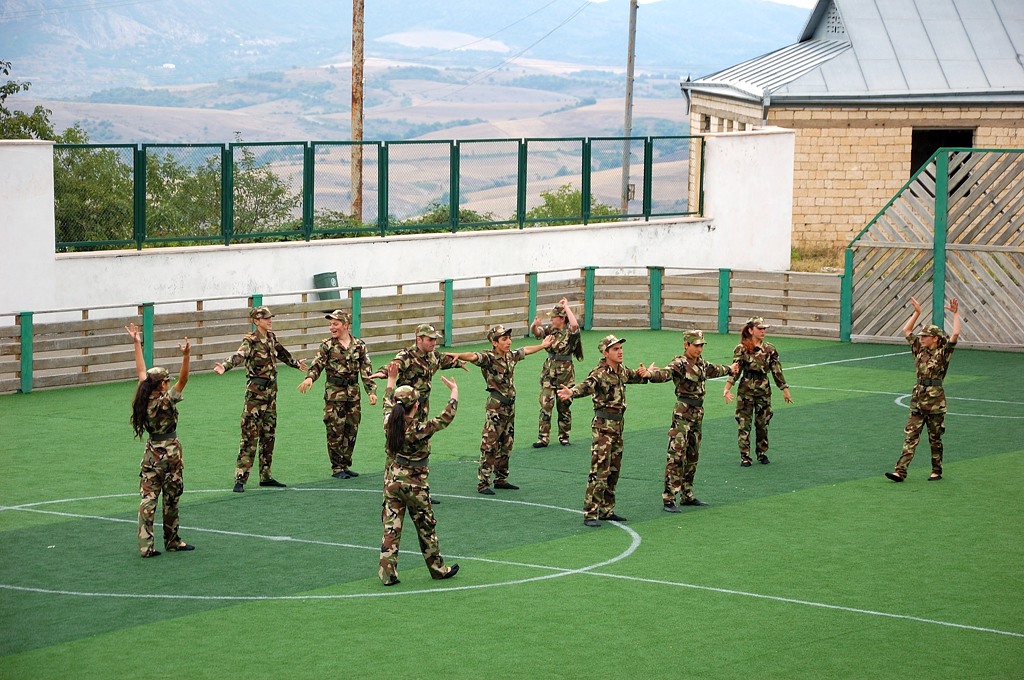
690,401
406,462
495,394
341,382
173,434
560,357
927,382
262,382
607,415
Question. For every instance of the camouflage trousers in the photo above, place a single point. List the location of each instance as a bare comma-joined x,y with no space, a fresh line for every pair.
407,488
342,421
605,463
756,411
936,424
549,401
683,453
259,428
496,443
161,471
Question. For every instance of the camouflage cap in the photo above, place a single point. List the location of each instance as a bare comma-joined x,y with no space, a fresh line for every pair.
757,322
425,330
694,337
260,313
558,310
498,332
157,374
407,395
607,342
339,315
932,329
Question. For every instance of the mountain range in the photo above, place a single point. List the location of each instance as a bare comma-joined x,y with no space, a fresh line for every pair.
191,70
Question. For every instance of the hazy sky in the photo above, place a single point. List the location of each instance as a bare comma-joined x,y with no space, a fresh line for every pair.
806,4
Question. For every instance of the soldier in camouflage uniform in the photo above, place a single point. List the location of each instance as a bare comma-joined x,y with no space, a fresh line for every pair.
418,364
347,361
406,479
757,359
260,351
607,383
557,370
689,372
155,411
932,353
498,367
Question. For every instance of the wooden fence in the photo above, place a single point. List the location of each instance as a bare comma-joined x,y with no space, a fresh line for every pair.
84,346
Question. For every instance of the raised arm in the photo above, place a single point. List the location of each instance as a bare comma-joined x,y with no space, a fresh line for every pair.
908,329
954,306
570,318
543,345
140,361
186,353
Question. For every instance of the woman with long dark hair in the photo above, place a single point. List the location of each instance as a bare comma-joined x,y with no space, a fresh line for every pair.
406,480
757,359
155,412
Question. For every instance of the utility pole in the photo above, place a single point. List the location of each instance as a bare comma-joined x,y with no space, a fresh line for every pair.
627,124
357,111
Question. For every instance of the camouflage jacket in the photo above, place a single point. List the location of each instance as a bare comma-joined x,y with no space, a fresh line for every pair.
260,356
345,367
558,367
417,369
162,412
608,386
932,365
418,433
498,372
689,377
755,366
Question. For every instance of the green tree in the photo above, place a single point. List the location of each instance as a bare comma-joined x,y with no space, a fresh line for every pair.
18,124
566,203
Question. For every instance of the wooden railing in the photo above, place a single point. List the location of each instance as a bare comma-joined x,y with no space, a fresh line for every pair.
60,348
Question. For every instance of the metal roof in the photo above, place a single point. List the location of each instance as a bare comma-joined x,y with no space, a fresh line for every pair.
892,51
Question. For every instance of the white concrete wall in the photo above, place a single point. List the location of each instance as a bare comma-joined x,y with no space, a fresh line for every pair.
748,199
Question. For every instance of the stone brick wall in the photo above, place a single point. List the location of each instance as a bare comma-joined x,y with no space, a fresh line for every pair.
851,161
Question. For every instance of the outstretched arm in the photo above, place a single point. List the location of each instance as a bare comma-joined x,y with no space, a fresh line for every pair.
908,329
186,353
140,361
548,340
954,306
574,325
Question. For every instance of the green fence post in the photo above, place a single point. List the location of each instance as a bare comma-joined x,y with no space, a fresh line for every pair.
24,321
146,309
588,297
227,193
846,298
655,274
357,309
521,184
139,196
648,176
255,300
724,276
585,181
382,187
531,279
453,183
939,244
448,294
308,157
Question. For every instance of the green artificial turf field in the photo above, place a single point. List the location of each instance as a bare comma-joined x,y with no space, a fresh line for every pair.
813,566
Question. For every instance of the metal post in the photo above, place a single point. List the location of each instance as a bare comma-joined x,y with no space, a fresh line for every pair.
448,305
531,279
227,193
724,276
588,297
521,184
655,274
24,321
382,187
627,125
357,111
846,298
308,158
453,182
939,242
139,217
148,341
357,309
